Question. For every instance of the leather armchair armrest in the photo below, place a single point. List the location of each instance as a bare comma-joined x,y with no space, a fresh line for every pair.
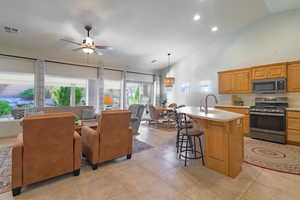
130,138
77,150
17,162
90,144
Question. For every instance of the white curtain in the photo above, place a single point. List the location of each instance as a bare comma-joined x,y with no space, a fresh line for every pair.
139,77
71,71
20,65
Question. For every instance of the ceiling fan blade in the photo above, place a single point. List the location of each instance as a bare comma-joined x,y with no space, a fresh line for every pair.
77,49
103,47
99,53
69,41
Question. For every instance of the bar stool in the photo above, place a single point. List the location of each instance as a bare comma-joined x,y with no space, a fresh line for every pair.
187,136
181,124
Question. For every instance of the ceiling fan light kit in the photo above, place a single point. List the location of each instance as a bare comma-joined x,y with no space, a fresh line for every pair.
88,50
88,45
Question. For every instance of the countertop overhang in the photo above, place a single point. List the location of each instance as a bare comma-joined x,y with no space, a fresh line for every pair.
213,114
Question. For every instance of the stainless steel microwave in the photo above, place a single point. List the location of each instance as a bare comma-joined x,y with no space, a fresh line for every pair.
269,86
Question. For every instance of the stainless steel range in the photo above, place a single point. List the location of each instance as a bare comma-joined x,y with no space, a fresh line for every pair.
267,119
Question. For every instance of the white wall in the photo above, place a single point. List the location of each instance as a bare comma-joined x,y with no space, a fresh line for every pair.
270,40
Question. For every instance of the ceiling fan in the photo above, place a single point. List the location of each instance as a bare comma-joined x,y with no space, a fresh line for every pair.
88,45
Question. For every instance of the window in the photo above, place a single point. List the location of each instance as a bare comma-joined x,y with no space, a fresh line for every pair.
112,89
66,85
16,92
138,93
139,89
59,91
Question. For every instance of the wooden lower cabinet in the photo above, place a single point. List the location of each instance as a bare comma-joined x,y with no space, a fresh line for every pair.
293,123
293,127
216,145
293,136
224,146
246,119
246,125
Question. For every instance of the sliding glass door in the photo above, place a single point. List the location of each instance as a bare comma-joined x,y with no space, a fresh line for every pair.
138,93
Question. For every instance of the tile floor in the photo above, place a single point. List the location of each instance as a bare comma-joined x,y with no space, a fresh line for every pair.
156,174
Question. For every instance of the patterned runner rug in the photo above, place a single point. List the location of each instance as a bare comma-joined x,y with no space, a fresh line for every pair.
5,163
5,169
277,157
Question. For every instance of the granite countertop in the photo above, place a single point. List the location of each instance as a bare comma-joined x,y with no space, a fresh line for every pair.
213,114
293,109
232,106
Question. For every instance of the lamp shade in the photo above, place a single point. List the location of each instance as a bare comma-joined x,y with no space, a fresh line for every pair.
108,100
169,81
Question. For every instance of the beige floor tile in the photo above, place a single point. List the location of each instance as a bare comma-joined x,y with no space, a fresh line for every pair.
6,196
201,191
157,173
259,191
280,182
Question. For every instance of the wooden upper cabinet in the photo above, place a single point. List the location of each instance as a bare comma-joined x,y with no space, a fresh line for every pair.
235,82
278,71
269,72
259,73
242,81
225,82
294,77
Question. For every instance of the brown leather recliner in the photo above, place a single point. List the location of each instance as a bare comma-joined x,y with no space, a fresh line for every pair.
48,147
111,139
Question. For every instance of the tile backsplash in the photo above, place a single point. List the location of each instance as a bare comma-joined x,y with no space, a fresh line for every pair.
249,99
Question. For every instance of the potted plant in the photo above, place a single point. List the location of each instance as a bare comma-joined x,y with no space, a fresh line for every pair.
163,103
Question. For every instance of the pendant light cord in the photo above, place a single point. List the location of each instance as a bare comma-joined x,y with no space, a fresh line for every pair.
169,54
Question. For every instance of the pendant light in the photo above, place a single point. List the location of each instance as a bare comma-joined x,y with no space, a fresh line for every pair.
169,81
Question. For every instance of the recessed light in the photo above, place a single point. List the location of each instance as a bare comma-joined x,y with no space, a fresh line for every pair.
214,29
197,17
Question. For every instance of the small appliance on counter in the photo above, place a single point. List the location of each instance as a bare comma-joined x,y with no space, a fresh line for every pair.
269,86
267,119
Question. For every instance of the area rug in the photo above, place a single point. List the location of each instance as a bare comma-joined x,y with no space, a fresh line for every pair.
139,146
277,157
5,163
5,169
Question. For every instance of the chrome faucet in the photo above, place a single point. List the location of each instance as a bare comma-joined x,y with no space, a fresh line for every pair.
205,106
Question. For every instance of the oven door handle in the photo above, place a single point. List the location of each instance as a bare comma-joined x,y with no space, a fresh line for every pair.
268,114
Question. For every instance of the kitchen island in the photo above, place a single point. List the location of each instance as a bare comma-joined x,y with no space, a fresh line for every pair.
224,143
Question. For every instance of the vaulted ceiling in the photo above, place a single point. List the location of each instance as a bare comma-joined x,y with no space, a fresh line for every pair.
138,30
